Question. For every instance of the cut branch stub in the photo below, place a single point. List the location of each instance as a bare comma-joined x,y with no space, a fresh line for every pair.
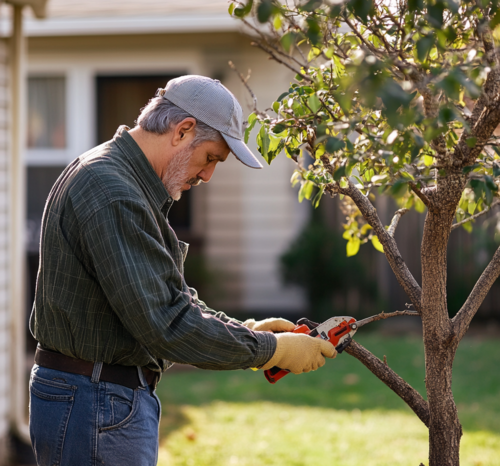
395,221
405,391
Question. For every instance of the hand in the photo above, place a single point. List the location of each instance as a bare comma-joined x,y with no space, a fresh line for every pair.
300,353
270,325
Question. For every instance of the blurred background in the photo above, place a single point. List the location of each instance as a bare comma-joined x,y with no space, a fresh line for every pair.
71,72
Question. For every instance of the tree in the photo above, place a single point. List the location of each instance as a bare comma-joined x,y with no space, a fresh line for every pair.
400,97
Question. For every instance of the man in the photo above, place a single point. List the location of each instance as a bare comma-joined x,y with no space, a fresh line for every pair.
112,310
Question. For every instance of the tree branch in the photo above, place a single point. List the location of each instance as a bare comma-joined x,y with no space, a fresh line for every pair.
391,251
473,217
245,83
279,60
421,195
463,318
386,315
405,391
395,220
484,119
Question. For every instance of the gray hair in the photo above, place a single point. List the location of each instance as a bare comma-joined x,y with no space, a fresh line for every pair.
160,115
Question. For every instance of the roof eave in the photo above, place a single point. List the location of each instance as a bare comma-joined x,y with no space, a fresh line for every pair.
39,7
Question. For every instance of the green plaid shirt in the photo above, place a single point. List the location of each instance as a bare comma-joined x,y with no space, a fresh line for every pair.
110,286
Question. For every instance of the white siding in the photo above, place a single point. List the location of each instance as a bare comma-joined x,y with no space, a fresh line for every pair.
254,214
4,254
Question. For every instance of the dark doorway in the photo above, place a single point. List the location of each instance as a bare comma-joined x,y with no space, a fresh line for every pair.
119,102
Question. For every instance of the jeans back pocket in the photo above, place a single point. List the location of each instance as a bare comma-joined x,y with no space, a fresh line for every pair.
50,409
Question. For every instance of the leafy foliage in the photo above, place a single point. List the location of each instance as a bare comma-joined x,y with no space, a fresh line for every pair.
317,262
382,94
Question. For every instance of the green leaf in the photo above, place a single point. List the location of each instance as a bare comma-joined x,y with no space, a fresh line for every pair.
231,8
314,103
252,119
377,244
279,128
424,46
361,8
419,206
467,227
471,142
399,188
495,21
333,144
415,5
490,183
263,142
471,207
287,40
277,22
264,11
282,96
317,198
435,13
428,160
306,190
352,246
496,170
344,100
313,32
339,173
241,12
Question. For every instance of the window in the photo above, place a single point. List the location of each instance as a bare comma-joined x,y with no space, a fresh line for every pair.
46,113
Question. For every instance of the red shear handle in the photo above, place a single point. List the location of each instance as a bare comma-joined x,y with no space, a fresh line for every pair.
276,373
334,336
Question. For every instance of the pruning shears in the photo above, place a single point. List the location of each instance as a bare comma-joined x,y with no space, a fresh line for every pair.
337,330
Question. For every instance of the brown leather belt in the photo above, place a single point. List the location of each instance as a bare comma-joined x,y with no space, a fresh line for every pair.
122,375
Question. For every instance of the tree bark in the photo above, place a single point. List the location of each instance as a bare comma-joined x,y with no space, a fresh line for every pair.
440,345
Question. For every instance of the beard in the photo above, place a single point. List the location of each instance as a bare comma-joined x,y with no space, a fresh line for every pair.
177,172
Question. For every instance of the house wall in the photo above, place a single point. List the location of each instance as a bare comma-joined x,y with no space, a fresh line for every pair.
247,217
4,254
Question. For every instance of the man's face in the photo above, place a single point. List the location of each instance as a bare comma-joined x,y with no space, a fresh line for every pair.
189,167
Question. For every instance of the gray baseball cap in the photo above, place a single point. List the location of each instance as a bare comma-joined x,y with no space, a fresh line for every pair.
213,104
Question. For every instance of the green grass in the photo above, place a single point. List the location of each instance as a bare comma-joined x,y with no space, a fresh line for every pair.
338,415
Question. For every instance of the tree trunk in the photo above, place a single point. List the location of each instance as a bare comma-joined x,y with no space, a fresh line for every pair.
445,430
440,345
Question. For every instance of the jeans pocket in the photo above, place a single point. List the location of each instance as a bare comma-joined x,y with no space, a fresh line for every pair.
118,407
51,403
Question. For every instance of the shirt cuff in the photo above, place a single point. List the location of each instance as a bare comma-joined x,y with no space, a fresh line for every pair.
265,349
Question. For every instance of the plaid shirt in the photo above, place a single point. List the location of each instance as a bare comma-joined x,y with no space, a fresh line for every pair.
110,286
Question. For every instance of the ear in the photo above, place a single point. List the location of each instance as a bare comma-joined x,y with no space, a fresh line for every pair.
184,131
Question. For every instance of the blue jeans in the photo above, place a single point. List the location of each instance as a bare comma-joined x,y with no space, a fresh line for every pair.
75,421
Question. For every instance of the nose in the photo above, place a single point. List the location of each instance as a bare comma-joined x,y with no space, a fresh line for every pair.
206,174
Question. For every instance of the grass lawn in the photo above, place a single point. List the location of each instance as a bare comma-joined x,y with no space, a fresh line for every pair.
340,415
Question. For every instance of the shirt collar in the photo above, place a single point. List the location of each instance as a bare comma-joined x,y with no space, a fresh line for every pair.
142,167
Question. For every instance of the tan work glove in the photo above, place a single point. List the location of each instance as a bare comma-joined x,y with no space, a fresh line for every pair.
270,325
300,353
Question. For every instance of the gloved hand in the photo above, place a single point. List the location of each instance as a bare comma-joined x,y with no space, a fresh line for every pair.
300,353
269,325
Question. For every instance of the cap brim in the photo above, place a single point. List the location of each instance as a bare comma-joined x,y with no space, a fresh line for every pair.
242,152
